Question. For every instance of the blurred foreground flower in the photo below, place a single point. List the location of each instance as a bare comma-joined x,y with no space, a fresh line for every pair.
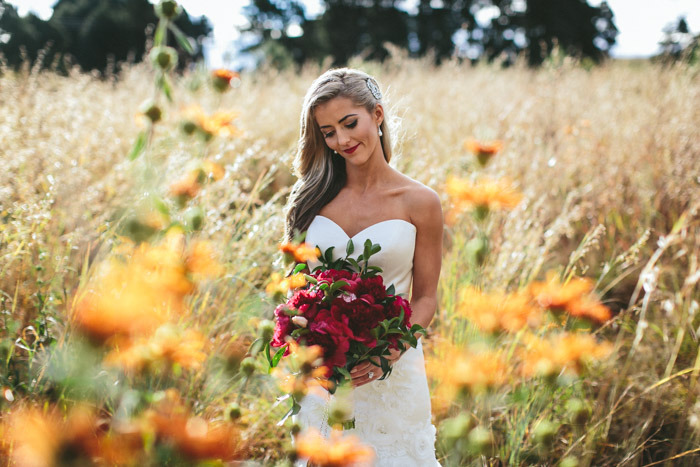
482,197
168,346
221,79
281,285
218,124
564,352
338,451
494,312
301,252
573,297
468,371
133,296
33,437
483,151
195,438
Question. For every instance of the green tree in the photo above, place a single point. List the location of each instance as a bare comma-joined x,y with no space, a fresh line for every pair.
92,32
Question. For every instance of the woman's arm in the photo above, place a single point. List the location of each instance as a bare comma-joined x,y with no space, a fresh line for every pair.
427,258
426,215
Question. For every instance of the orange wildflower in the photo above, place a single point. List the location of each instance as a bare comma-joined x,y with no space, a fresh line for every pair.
572,297
218,124
564,352
279,284
187,187
484,151
200,259
493,312
485,195
134,297
213,170
301,252
469,370
225,75
192,436
338,451
168,345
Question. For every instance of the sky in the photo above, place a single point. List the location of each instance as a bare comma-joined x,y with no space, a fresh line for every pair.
640,23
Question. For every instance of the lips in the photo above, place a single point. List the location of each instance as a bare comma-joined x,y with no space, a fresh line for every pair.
352,149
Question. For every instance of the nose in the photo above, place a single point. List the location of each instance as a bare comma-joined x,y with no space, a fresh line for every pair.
343,138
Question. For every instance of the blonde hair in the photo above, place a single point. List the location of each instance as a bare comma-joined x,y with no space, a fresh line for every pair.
321,172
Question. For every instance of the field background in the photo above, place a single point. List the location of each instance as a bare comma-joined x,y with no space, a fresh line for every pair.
607,160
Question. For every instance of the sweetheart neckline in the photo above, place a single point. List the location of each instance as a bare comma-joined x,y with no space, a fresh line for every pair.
366,228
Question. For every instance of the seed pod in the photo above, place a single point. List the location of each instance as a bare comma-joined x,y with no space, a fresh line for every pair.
248,366
233,412
164,58
578,411
194,217
266,329
152,111
544,432
168,9
480,440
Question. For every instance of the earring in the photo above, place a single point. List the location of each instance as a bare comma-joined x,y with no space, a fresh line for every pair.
335,152
380,131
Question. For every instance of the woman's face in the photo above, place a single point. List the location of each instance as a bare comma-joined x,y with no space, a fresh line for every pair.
349,129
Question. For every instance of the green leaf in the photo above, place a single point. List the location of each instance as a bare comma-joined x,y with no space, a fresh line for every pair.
161,207
164,86
350,248
310,279
328,255
278,356
343,371
391,290
182,39
139,145
376,248
337,285
299,267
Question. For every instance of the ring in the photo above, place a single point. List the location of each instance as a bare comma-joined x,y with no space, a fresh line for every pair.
370,374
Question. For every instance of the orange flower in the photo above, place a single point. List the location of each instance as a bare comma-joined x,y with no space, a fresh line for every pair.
279,284
192,436
187,187
564,352
134,297
200,259
218,124
167,345
213,170
498,312
469,370
338,451
483,151
301,252
572,297
33,437
225,75
485,195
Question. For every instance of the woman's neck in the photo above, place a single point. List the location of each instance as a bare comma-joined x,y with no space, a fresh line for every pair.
365,178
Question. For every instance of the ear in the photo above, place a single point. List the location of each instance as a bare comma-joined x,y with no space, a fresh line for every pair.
378,114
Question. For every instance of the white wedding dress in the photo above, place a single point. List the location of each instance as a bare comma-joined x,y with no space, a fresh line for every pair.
393,415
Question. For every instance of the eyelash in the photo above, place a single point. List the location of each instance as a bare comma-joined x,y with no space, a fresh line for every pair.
349,125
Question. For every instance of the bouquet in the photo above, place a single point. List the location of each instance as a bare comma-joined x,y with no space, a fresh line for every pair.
346,310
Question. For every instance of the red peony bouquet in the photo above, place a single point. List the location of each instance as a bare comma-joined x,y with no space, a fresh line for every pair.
346,310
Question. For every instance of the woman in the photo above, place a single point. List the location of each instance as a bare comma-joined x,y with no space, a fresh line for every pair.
347,190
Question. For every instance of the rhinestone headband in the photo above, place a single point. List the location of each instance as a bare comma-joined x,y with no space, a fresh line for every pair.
374,89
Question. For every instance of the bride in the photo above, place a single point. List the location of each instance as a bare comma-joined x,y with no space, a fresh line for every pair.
348,191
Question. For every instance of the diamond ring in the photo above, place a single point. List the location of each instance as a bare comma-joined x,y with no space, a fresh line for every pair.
370,375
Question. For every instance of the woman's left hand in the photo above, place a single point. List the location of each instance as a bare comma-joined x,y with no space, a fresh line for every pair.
366,371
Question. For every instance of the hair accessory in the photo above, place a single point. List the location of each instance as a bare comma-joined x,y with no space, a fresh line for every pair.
374,89
380,131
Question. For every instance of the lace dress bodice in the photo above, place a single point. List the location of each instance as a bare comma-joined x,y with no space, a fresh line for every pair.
393,415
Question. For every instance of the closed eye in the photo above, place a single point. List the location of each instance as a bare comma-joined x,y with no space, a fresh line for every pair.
350,125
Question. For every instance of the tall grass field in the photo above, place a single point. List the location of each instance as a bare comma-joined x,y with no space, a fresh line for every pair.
140,265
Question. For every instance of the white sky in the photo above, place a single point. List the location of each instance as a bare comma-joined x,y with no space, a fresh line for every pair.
640,22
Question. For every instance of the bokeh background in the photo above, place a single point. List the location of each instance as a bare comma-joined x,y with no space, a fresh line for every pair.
146,157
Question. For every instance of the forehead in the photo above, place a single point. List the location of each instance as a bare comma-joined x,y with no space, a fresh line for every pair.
328,113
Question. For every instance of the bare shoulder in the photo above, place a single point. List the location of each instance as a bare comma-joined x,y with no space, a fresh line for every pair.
422,202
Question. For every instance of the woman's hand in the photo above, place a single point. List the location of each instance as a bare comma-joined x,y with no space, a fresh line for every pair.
366,372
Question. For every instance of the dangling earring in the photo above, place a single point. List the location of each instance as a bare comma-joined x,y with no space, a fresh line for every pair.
380,131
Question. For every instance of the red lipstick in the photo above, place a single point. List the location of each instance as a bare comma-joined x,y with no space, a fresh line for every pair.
352,149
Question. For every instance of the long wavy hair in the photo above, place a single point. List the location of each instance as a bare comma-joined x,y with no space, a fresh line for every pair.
321,173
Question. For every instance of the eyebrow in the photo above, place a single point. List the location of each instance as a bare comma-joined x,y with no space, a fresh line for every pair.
339,121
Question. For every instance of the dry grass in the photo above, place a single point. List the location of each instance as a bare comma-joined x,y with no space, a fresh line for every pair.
607,160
